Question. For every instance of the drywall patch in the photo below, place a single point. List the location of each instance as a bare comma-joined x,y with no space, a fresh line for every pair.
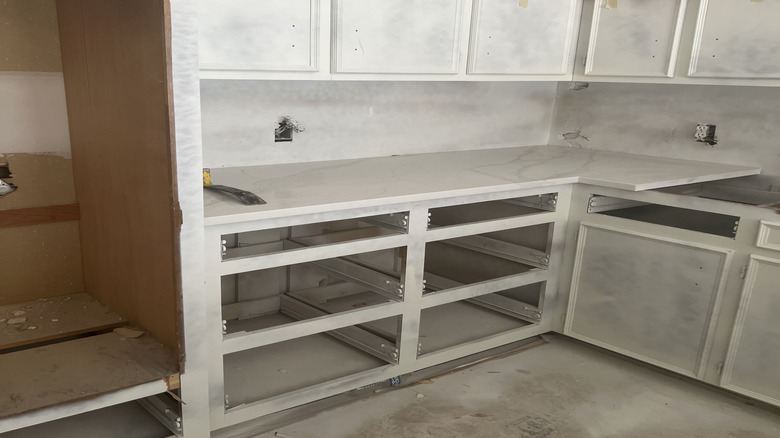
572,138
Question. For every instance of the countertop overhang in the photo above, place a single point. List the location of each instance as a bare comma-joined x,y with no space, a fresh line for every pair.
306,188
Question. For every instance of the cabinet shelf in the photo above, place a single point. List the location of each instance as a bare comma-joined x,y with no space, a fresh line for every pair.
441,327
273,370
126,420
82,369
52,319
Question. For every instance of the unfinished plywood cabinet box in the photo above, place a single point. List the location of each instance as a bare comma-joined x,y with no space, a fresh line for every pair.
59,353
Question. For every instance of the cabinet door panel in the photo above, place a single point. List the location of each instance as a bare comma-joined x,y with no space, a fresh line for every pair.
415,36
753,359
509,39
259,34
737,39
647,297
637,38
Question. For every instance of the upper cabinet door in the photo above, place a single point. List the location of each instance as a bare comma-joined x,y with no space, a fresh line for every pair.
263,36
520,38
634,37
411,37
737,39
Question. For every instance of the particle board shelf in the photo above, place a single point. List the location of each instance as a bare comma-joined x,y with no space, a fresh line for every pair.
80,370
48,319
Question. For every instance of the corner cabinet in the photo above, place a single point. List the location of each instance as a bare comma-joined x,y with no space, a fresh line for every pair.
679,42
741,47
679,281
646,296
305,307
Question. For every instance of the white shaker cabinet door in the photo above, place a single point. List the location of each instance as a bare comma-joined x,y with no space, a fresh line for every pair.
753,361
634,37
527,37
648,297
262,35
410,37
737,39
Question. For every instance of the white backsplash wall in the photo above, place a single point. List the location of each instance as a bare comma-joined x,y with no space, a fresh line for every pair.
345,120
661,120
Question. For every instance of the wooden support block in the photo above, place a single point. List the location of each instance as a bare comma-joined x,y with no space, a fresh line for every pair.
38,215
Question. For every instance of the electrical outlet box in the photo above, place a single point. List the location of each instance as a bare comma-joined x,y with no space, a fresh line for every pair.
706,134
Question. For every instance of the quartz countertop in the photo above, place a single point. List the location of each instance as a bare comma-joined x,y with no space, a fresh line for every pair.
304,188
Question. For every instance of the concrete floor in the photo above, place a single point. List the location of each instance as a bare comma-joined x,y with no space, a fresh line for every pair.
560,389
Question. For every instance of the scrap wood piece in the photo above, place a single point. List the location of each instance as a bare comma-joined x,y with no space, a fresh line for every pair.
129,332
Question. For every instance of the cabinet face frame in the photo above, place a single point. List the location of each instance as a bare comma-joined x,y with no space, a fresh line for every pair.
739,324
598,7
566,61
707,336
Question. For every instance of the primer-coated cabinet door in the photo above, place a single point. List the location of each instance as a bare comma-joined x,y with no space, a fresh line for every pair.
646,296
408,37
752,365
263,36
634,37
737,39
521,38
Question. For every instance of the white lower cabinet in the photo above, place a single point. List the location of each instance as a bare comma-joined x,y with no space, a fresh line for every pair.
312,306
753,359
677,278
646,296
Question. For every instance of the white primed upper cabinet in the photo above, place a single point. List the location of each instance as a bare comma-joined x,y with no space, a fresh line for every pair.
519,38
737,39
753,359
239,37
409,37
634,37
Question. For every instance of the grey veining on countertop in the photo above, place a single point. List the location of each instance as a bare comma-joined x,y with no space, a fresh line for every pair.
335,185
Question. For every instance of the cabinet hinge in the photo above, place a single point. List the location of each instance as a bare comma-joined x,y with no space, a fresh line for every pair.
720,367
743,271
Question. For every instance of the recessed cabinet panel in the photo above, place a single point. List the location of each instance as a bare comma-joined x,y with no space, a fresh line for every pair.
508,38
737,39
258,34
415,36
636,38
753,360
648,297
769,235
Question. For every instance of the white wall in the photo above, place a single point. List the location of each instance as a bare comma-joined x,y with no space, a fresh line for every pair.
661,120
368,119
33,113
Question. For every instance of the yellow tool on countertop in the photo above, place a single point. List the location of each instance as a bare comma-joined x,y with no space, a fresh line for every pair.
246,197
